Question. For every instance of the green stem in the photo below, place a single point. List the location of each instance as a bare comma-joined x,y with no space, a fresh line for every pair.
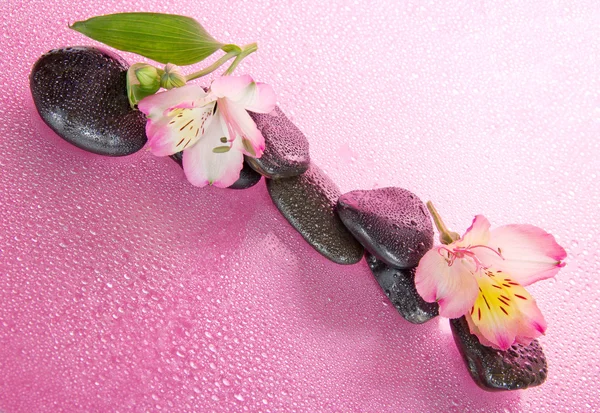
446,236
212,67
246,50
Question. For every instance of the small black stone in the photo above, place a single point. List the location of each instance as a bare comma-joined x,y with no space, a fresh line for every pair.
286,148
519,367
308,202
391,223
81,93
248,176
399,286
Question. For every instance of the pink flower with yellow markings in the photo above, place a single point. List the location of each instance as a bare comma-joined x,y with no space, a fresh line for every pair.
212,128
482,276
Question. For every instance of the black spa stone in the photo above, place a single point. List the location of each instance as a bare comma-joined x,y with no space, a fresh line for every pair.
391,223
81,93
399,286
286,148
308,202
248,176
519,367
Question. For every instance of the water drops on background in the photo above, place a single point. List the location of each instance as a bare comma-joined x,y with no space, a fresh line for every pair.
122,285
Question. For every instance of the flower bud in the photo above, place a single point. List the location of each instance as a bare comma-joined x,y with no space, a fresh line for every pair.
148,78
142,80
172,77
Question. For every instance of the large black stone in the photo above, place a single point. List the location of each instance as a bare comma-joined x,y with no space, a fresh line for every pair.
519,367
81,93
248,176
286,148
391,223
399,286
308,202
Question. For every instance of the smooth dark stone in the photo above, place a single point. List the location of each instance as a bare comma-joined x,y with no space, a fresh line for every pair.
519,367
81,93
308,202
391,223
286,148
248,176
399,286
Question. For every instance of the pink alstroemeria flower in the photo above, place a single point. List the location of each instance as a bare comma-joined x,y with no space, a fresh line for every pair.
213,129
482,275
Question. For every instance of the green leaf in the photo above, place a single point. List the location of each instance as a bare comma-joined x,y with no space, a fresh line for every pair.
165,38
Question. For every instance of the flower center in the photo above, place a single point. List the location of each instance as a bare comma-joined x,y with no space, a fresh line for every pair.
466,253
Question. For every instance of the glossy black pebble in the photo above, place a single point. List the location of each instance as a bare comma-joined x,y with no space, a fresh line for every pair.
308,202
81,93
519,367
248,177
399,286
391,223
286,148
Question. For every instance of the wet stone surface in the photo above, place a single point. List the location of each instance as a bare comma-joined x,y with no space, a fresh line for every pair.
248,176
391,223
519,367
399,286
81,93
308,202
286,148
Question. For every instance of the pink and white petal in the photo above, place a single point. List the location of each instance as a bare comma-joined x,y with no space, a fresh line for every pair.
179,130
530,253
505,313
160,140
477,234
258,98
452,286
474,330
154,106
203,166
242,124
231,87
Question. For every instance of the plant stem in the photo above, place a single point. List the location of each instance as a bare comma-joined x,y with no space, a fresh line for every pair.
246,50
446,236
211,68
238,54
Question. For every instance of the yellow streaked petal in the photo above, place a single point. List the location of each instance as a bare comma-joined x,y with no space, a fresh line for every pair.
504,312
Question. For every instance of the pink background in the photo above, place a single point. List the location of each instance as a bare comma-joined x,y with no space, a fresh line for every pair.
124,288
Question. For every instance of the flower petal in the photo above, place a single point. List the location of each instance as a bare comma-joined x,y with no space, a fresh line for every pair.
477,234
245,92
154,106
203,165
177,130
530,253
239,122
259,98
231,87
452,286
504,313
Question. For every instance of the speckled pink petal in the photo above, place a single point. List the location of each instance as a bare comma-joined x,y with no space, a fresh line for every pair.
504,313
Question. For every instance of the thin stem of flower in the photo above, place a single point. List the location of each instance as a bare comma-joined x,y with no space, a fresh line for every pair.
212,67
246,50
446,236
